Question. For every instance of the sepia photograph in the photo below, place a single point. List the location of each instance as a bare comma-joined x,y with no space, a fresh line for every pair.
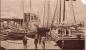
42,24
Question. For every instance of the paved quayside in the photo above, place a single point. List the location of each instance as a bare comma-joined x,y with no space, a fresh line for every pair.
17,44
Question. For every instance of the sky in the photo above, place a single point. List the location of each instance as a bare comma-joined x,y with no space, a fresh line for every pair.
13,9
83,1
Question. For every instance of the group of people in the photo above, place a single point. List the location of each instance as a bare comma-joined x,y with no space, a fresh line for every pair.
42,34
40,37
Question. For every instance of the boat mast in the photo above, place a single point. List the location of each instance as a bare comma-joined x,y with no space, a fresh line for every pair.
64,12
60,12
63,23
23,11
28,17
44,12
30,5
30,10
0,23
48,12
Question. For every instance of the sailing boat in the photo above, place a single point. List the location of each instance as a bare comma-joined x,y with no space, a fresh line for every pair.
25,28
67,41
29,20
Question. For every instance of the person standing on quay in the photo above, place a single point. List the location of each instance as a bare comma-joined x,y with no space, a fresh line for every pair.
25,41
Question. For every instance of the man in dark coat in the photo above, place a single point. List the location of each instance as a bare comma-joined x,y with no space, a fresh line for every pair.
40,36
25,42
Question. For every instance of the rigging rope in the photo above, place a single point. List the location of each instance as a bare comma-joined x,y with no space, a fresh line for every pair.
53,20
73,11
54,14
